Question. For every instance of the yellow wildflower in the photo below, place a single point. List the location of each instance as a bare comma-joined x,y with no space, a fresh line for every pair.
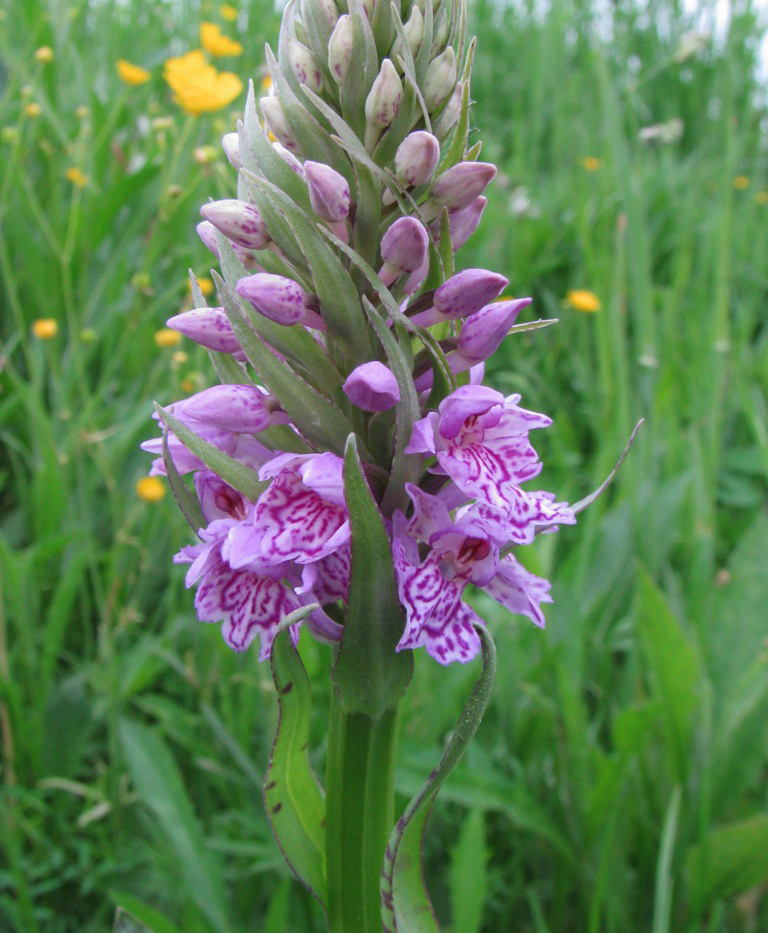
179,358
150,489
33,109
77,176
198,87
228,12
215,43
165,337
206,286
761,197
266,83
591,163
741,182
45,328
132,75
582,300
44,54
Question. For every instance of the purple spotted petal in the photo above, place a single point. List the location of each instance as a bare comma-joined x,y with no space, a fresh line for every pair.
520,591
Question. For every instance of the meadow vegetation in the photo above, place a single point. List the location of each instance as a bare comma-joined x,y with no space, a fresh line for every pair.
618,781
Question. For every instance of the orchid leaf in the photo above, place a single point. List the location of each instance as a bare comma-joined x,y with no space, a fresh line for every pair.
316,418
293,796
186,501
237,474
370,675
588,500
406,907
405,467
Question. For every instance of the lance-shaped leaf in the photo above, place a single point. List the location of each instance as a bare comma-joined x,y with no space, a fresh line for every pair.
237,474
335,290
405,467
186,501
370,676
293,342
293,797
405,903
588,500
317,419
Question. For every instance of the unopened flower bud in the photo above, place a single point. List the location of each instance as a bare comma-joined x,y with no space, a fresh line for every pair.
383,101
483,331
439,36
340,47
450,115
230,143
369,8
304,65
416,158
462,295
460,185
278,298
290,159
207,233
372,387
463,222
209,327
414,33
238,221
404,248
440,79
328,191
326,8
276,122
244,409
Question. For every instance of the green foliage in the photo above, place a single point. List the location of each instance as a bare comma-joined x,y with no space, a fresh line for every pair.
617,780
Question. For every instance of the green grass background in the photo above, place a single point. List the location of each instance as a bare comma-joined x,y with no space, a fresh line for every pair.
618,781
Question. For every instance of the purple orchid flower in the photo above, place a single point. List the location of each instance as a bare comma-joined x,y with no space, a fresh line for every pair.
463,551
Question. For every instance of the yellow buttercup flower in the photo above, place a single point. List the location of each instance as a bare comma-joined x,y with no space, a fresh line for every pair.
761,197
44,54
33,109
741,182
165,337
130,74
266,83
583,300
45,328
77,176
150,489
206,286
215,43
591,163
228,12
197,86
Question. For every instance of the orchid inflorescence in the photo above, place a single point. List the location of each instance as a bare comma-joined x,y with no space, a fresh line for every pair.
342,317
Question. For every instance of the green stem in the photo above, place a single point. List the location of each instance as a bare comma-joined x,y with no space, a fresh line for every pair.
360,800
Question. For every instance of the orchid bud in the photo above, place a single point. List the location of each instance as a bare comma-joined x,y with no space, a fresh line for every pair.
462,295
369,8
230,143
244,409
414,33
207,233
276,122
327,8
440,36
450,115
209,327
404,248
304,65
483,331
463,222
290,159
440,79
340,47
416,158
328,191
383,101
372,387
460,185
238,221
278,298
